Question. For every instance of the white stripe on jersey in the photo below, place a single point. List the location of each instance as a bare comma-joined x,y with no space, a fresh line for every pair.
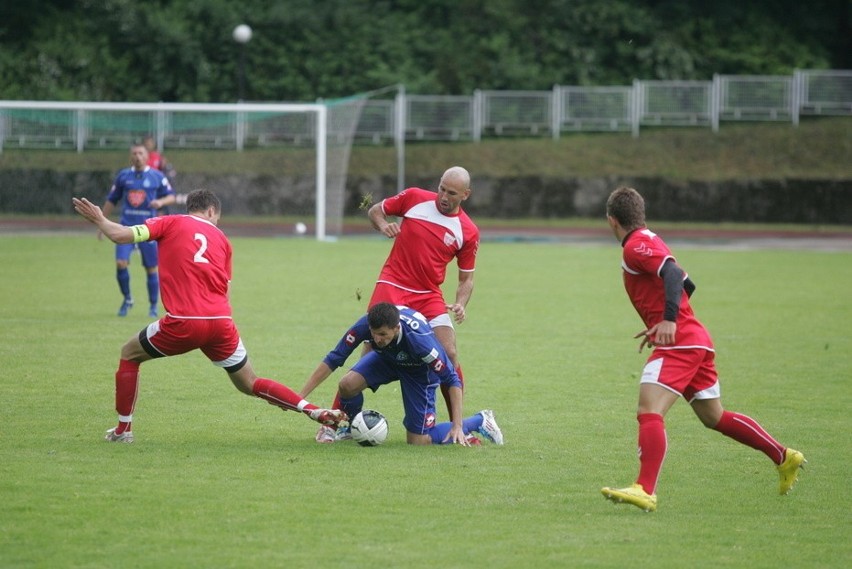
428,211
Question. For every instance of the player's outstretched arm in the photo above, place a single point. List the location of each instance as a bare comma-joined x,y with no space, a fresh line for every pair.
115,232
319,375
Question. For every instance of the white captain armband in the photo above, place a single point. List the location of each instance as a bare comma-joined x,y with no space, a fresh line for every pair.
140,233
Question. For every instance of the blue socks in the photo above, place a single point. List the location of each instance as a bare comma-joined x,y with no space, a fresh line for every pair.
123,276
469,425
352,406
153,288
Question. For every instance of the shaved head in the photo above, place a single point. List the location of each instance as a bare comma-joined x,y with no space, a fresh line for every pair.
457,176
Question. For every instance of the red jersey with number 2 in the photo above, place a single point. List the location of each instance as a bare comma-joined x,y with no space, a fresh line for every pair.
643,256
427,242
195,266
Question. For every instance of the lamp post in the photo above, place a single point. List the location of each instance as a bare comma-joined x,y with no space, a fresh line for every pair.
242,35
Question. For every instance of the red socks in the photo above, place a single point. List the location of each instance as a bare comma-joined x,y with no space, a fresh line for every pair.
747,431
652,449
280,395
126,389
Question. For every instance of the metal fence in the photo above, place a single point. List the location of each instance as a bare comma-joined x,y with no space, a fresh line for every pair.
564,109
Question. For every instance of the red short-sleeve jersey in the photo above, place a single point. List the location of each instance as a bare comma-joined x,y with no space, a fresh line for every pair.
643,257
427,242
195,266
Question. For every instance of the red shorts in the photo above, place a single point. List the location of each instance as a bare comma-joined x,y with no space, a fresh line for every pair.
691,372
218,338
429,304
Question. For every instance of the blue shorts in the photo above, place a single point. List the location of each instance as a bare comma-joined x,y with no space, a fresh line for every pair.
417,386
148,250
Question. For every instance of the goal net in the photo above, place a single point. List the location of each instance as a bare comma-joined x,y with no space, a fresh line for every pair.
283,164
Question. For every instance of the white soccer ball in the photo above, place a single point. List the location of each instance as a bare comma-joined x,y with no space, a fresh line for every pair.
369,428
242,33
300,228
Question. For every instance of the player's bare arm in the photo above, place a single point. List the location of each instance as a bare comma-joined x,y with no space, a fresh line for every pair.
163,202
380,222
456,434
319,375
115,232
463,293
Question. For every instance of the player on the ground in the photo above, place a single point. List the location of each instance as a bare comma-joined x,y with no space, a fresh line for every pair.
196,274
682,361
434,230
144,191
404,349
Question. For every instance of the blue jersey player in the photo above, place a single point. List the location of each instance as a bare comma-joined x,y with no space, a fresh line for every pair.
144,191
404,349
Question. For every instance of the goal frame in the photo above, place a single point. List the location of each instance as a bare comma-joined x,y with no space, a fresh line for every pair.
319,109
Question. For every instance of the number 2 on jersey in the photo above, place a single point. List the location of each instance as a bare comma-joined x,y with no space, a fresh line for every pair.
199,255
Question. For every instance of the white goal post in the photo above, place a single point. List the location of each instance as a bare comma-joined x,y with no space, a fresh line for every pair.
90,125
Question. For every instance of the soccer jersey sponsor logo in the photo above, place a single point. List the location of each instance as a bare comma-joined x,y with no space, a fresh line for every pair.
136,197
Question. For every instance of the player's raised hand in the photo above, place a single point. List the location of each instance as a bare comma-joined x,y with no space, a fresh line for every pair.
87,209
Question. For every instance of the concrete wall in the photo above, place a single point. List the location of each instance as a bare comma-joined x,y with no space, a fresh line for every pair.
767,201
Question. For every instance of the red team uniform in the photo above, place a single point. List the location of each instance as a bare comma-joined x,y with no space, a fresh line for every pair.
417,265
196,262
690,369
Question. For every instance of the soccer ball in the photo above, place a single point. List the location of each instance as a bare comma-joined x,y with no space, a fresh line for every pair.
369,428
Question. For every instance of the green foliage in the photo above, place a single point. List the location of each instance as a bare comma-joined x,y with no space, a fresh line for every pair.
182,50
219,479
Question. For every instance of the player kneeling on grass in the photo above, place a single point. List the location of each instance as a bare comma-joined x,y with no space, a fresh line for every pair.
195,273
404,349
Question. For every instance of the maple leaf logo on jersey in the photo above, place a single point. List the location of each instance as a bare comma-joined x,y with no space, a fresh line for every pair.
136,197
449,239
643,249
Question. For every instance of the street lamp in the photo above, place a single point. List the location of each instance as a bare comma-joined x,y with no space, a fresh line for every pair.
242,35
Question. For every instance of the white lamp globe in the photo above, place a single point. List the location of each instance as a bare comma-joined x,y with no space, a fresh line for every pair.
242,33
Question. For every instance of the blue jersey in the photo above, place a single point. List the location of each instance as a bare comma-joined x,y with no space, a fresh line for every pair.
416,353
138,189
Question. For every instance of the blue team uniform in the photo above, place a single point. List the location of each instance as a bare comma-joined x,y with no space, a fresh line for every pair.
138,189
417,360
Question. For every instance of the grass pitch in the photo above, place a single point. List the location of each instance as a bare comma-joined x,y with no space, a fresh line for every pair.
217,479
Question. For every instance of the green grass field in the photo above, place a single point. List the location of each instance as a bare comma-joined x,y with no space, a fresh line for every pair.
217,479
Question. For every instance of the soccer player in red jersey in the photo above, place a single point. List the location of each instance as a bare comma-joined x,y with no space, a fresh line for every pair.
434,231
156,159
682,361
195,274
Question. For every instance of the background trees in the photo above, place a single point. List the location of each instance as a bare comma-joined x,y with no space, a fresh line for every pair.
182,50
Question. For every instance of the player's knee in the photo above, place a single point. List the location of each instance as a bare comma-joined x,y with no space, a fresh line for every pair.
418,440
349,386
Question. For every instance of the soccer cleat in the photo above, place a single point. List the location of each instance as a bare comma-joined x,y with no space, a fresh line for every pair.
152,313
343,434
125,437
325,435
489,427
788,470
125,306
330,417
634,494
